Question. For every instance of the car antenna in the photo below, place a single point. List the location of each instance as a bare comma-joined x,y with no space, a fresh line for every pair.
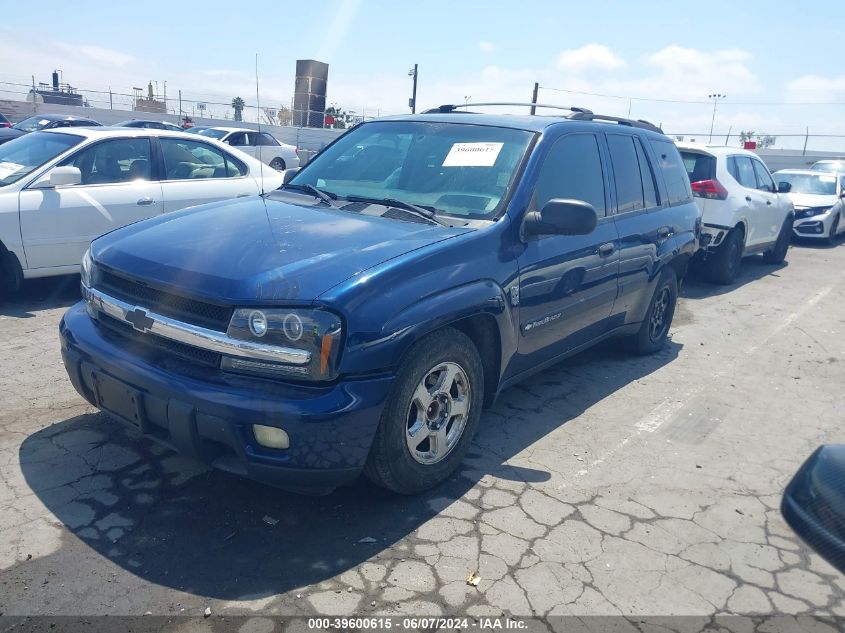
258,118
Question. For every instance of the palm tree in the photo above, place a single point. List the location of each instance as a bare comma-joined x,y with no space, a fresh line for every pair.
238,105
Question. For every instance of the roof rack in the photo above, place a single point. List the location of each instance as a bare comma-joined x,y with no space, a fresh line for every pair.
452,107
578,114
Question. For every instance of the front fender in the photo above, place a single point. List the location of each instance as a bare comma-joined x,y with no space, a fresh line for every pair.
403,329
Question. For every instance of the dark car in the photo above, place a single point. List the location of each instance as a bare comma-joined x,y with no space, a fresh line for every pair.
154,125
360,317
43,122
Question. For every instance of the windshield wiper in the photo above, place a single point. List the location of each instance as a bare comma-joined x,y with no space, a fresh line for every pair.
424,212
324,196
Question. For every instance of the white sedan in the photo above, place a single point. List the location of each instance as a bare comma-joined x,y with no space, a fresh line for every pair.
260,145
60,189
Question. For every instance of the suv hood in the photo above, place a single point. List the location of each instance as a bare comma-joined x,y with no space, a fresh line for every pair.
252,250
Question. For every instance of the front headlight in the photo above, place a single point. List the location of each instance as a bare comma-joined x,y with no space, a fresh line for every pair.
318,332
87,269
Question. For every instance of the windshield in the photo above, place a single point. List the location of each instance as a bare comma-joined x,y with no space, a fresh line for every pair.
23,155
32,124
829,165
821,185
218,134
455,168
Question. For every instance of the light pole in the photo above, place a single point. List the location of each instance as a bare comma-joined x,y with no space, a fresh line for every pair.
466,100
715,97
413,100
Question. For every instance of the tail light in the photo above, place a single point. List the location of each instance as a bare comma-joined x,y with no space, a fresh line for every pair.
5,124
711,189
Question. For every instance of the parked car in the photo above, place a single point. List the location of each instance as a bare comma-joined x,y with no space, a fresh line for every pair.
59,189
151,125
4,122
43,122
837,165
360,317
196,129
819,201
261,145
742,210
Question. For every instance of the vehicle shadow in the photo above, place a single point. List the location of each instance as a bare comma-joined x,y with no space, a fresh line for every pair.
696,285
173,522
42,294
820,245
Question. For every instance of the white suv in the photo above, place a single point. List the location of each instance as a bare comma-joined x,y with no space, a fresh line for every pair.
742,210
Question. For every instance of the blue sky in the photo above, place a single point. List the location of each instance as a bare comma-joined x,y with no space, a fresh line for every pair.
755,52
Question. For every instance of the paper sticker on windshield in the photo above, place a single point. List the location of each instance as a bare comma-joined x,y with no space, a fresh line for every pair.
7,169
472,155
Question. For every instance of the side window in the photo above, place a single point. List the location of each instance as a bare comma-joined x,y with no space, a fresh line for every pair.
115,161
265,139
192,160
744,172
647,173
238,138
572,169
764,179
675,176
626,173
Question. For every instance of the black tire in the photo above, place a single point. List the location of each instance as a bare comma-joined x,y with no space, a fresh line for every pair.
777,254
277,164
391,463
723,266
834,229
654,330
11,275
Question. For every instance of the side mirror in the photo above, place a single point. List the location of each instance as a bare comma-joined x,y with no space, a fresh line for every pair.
784,187
561,217
814,503
59,176
289,174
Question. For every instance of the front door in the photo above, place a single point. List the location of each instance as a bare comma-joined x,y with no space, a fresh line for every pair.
58,224
567,283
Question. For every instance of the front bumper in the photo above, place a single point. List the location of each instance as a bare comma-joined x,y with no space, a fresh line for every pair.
817,226
209,414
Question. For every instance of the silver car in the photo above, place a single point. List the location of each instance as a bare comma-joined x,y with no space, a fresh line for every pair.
818,200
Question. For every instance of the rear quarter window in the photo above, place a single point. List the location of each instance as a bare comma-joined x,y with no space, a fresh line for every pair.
675,175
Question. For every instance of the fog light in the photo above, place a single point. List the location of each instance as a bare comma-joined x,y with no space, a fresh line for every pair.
258,323
270,436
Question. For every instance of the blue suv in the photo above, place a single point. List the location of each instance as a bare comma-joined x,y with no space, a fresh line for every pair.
360,318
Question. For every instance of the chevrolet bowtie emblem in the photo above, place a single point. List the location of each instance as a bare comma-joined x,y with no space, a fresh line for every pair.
139,320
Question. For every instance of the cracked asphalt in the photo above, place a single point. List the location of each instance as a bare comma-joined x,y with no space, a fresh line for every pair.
606,485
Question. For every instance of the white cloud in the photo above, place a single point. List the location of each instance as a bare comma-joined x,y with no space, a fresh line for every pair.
486,47
589,57
107,55
816,88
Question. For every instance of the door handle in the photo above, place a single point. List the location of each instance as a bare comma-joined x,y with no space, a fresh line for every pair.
748,198
607,249
145,202
243,195
769,202
664,232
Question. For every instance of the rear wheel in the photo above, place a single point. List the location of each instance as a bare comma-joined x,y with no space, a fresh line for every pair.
431,415
834,229
654,330
277,164
724,265
777,254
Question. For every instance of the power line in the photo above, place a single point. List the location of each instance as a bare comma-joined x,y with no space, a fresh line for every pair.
694,101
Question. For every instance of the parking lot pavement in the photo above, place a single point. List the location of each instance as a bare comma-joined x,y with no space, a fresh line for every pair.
607,484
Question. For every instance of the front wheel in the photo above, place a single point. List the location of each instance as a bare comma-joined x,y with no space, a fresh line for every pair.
431,415
654,330
834,230
777,254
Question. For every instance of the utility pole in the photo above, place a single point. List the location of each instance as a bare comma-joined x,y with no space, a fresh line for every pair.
715,97
412,102
180,107
534,98
111,102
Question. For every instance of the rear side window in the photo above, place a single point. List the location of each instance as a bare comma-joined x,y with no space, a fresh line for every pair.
191,160
742,170
626,173
669,163
573,170
647,174
265,139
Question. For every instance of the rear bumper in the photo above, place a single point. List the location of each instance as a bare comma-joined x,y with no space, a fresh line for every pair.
209,414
